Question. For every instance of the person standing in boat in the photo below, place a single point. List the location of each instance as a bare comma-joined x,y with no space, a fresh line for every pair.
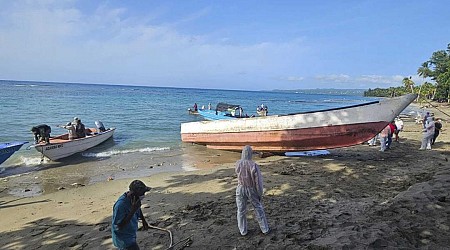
249,188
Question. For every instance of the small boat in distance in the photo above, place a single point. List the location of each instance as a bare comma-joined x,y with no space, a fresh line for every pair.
314,130
61,147
223,111
9,148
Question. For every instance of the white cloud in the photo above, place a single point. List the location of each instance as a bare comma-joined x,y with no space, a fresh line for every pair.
334,78
55,41
292,78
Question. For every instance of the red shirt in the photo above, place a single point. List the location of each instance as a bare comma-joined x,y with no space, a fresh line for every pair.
393,128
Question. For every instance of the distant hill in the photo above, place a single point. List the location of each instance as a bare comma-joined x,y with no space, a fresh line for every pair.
325,91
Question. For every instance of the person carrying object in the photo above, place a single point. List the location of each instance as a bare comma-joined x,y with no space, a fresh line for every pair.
126,213
249,188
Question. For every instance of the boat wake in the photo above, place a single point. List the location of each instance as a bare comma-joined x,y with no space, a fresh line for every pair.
121,152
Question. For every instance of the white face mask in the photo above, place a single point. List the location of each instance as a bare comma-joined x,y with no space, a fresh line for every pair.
141,197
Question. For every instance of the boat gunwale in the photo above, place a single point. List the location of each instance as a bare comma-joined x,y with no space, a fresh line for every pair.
62,141
332,109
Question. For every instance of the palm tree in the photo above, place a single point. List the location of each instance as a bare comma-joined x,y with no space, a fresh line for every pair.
408,83
424,72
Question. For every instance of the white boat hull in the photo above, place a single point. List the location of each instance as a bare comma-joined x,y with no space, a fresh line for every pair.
59,148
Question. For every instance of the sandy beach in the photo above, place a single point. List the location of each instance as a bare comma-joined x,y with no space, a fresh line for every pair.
353,198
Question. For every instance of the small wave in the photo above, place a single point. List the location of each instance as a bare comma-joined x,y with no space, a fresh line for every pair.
32,161
121,152
25,85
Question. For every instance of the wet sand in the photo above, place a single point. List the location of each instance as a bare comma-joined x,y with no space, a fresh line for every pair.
353,198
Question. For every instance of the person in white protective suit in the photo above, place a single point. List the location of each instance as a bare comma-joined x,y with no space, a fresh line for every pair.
250,188
428,134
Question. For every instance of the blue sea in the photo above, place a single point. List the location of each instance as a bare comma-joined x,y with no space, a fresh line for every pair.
147,122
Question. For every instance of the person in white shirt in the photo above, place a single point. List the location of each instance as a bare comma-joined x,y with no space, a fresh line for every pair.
399,126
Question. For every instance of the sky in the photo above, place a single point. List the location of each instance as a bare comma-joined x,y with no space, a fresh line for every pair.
242,45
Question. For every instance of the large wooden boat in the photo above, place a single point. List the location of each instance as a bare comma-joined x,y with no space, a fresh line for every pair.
324,129
60,146
9,148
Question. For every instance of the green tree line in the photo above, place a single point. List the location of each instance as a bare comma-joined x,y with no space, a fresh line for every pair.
437,68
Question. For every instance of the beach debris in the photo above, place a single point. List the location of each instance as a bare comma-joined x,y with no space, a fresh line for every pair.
166,230
110,178
27,190
61,188
75,184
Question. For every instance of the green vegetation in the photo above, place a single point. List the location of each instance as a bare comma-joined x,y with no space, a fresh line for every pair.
437,68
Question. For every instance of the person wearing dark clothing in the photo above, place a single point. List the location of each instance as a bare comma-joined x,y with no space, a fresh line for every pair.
437,129
41,133
80,130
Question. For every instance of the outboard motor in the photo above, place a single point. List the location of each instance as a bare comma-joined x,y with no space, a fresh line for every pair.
100,126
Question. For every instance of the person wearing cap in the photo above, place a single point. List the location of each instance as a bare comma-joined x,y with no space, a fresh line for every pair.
80,129
249,188
126,213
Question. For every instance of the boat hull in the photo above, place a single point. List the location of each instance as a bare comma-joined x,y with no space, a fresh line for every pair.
326,129
58,149
8,149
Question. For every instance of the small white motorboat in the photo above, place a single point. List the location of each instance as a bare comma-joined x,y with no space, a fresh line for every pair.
60,146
